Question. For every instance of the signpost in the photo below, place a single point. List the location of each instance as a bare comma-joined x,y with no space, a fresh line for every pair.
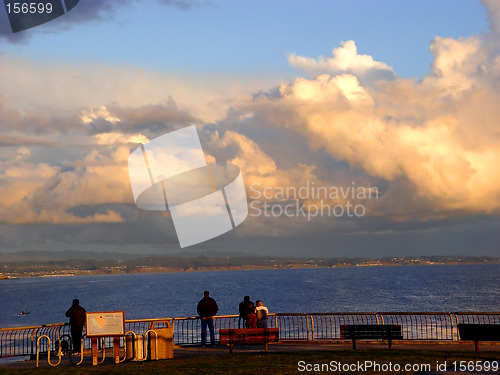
105,324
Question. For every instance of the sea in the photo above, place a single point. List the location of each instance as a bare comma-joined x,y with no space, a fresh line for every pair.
433,288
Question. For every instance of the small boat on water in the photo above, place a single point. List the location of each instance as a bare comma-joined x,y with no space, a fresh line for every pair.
24,312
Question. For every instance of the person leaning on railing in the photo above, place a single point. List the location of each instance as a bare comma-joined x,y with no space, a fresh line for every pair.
206,309
76,315
261,312
247,313
243,309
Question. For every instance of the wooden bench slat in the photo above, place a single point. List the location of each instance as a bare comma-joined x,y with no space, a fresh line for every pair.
237,336
479,332
370,331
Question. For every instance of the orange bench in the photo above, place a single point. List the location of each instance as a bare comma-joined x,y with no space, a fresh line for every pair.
236,336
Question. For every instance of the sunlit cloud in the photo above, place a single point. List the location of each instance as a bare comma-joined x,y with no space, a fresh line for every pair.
344,59
430,145
93,114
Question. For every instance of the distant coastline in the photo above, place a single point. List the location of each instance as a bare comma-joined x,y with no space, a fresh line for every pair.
165,264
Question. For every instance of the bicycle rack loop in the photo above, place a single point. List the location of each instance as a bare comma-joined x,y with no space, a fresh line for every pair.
125,344
149,331
103,350
59,352
71,351
144,357
143,337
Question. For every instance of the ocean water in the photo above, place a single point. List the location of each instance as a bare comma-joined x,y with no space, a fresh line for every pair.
359,289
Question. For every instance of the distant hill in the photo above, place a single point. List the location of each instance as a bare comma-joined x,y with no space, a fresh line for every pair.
45,256
28,264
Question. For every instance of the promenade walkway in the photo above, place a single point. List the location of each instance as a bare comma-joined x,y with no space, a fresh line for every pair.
196,351
428,335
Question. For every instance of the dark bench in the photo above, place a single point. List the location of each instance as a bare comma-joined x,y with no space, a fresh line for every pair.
479,332
238,336
370,331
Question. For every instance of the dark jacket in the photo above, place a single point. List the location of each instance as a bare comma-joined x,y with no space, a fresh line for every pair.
76,315
207,307
246,307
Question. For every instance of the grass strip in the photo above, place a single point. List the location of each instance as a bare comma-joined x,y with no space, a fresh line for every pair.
273,363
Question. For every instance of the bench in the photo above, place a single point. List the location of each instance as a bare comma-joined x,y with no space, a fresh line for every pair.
479,332
236,336
370,331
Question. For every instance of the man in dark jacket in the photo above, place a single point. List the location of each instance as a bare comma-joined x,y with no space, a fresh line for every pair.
207,308
76,315
247,313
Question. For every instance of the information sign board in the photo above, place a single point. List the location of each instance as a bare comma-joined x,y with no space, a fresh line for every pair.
105,323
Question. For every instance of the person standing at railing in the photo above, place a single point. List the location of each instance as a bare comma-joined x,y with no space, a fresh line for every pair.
206,309
76,315
243,307
247,313
261,312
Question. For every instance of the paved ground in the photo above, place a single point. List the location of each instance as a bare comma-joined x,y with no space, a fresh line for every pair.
192,351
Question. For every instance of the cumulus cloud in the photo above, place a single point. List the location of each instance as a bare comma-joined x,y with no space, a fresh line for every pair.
449,173
431,146
344,59
69,168
457,64
101,112
48,194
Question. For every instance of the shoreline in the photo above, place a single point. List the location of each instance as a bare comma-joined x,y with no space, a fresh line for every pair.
156,270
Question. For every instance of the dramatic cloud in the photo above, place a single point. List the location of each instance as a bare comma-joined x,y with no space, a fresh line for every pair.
49,194
87,11
429,147
345,59
379,134
433,143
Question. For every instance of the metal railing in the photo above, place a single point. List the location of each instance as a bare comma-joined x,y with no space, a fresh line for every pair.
21,341
305,328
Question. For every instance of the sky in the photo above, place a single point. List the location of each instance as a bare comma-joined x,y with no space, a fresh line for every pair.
389,107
